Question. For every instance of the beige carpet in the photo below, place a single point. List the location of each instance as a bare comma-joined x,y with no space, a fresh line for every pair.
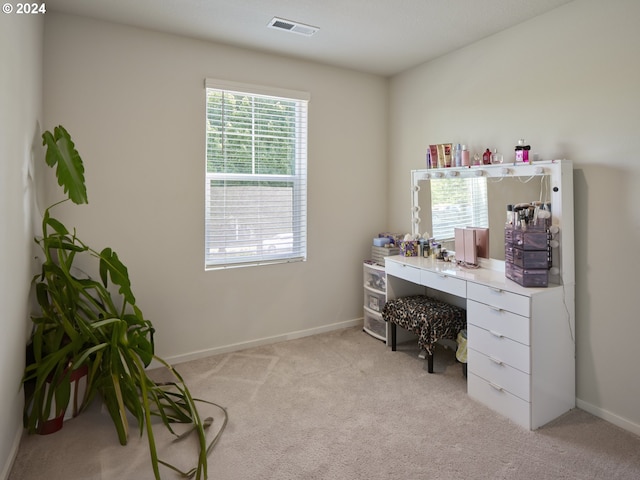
338,406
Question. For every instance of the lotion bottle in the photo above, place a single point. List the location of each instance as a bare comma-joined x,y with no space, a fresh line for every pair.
464,156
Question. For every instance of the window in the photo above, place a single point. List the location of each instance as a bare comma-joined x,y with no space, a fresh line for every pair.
256,175
458,202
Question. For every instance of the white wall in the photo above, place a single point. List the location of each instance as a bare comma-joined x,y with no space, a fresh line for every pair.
567,82
134,102
20,112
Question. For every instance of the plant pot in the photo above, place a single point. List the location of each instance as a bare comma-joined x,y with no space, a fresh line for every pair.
51,426
78,388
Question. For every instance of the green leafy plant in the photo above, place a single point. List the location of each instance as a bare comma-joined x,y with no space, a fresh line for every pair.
83,323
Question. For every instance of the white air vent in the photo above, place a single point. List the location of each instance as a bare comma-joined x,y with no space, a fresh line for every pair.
294,27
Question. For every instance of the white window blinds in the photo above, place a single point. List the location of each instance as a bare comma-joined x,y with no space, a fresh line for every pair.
458,202
256,175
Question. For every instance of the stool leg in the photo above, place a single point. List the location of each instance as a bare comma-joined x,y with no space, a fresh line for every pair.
429,362
393,336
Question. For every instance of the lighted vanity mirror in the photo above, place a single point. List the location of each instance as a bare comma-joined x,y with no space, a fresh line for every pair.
478,197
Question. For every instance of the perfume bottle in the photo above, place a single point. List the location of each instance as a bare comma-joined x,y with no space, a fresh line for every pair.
496,157
486,157
522,151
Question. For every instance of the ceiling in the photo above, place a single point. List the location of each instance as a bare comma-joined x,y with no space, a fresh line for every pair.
383,37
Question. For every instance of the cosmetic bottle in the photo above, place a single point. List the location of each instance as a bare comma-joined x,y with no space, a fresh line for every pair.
486,157
496,157
464,154
522,151
457,155
509,222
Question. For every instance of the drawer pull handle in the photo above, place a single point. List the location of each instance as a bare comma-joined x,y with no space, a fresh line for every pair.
442,275
496,334
495,360
495,289
495,309
497,387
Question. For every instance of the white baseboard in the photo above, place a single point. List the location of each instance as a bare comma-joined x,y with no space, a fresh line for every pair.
259,342
609,417
4,475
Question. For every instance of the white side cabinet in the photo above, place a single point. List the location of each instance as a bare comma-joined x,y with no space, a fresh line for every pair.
375,296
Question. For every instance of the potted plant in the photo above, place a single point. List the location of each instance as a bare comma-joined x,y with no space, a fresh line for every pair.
84,324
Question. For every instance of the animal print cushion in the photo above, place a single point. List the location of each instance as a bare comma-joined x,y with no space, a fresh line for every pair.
430,319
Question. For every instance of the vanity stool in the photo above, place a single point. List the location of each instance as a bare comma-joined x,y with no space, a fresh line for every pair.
430,319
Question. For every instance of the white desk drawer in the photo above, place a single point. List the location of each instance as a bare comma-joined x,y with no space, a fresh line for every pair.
499,298
499,400
498,320
499,347
500,374
444,283
406,272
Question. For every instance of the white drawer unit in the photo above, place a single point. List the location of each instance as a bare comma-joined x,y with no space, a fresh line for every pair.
518,354
375,296
498,351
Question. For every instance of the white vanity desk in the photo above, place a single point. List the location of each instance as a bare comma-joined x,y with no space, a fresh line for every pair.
520,341
520,347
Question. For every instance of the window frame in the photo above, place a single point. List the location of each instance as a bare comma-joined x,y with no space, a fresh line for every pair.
285,251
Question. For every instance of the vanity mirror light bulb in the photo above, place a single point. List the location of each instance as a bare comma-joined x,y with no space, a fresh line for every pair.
416,220
416,208
554,271
554,229
437,174
416,188
539,170
505,171
554,244
453,173
479,173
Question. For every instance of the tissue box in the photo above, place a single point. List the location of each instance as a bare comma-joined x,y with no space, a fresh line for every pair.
409,248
